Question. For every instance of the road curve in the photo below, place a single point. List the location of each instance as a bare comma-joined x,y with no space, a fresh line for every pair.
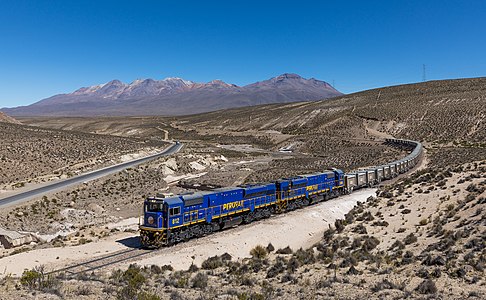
59,185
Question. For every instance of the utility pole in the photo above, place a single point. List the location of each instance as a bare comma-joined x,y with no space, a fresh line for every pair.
423,73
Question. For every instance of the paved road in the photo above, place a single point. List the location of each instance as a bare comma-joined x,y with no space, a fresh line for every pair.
59,185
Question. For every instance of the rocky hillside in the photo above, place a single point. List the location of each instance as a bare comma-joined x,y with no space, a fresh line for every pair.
175,96
446,110
421,238
7,119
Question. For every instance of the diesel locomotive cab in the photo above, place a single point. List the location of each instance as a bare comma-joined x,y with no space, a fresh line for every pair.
154,216
154,212
160,216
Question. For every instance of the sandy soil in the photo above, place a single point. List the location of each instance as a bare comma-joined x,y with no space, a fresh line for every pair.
301,228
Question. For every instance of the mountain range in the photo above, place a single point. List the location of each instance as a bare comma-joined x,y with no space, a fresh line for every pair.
175,96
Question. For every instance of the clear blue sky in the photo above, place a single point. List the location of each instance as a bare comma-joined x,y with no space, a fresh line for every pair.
51,47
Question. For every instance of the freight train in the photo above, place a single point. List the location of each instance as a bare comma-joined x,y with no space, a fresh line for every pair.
179,218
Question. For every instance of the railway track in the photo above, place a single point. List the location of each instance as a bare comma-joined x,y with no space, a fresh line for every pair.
102,262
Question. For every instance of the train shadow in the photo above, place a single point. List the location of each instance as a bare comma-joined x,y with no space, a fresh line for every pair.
131,242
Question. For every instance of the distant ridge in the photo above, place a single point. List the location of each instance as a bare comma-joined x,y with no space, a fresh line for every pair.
7,119
175,96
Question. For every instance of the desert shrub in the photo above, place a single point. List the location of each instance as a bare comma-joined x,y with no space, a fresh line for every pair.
226,257
200,281
370,243
127,293
259,252
328,234
340,225
353,271
326,253
408,258
475,244
360,229
84,290
193,268
423,222
147,296
356,243
293,264
276,269
30,278
167,268
175,295
385,284
422,273
234,268
305,256
349,217
324,284
37,279
108,290
285,250
472,188
257,265
380,223
348,260
434,261
340,242
287,277
366,216
155,269
410,239
247,281
426,287
133,277
212,263
459,272
178,279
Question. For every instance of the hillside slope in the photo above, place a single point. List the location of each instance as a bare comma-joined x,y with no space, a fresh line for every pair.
7,119
445,110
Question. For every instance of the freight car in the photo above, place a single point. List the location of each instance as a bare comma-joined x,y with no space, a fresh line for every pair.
179,218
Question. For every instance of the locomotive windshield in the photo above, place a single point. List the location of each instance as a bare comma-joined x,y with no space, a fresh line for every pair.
154,205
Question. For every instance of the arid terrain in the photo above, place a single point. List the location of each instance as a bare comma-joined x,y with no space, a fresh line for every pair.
32,155
421,236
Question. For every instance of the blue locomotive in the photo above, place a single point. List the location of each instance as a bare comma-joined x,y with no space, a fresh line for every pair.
171,220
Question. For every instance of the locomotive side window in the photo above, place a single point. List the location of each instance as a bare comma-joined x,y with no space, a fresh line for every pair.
175,211
296,186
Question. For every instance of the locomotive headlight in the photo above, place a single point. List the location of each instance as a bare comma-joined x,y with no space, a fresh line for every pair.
151,220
